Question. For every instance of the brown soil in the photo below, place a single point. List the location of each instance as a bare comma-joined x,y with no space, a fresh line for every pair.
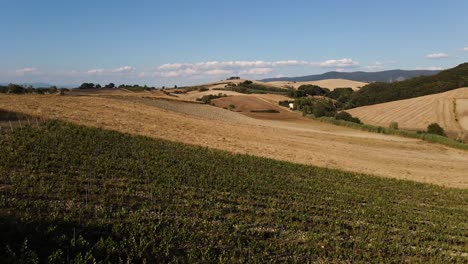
249,106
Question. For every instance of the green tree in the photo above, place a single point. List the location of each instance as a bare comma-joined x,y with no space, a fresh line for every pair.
53,89
87,86
436,129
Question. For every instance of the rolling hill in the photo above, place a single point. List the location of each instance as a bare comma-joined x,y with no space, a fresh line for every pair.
330,84
359,76
449,109
299,140
88,195
380,92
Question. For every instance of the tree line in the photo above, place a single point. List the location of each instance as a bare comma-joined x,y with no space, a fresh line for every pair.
379,92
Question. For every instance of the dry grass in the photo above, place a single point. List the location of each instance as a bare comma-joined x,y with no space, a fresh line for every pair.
298,140
449,109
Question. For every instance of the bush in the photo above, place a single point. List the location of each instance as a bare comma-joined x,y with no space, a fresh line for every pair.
206,99
436,129
232,107
15,89
347,117
316,106
202,89
393,125
273,111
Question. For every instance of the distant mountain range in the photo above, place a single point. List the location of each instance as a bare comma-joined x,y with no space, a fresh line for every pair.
34,85
379,92
359,76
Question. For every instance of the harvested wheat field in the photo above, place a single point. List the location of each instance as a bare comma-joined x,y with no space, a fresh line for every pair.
298,140
329,83
449,109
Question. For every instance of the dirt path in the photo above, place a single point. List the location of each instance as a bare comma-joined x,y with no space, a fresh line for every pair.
299,140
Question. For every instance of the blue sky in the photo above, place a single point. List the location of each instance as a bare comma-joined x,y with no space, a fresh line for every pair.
188,42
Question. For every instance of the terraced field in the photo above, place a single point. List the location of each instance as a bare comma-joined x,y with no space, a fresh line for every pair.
448,109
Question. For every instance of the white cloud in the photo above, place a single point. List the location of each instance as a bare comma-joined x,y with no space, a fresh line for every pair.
375,66
173,66
289,63
256,71
254,67
26,71
339,63
123,69
465,49
217,68
217,72
176,73
437,56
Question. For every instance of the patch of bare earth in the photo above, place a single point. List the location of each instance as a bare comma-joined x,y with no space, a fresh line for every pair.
255,107
296,140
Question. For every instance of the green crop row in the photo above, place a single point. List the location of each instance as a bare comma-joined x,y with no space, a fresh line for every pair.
82,195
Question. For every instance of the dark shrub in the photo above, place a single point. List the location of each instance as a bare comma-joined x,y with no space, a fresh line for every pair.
436,129
347,117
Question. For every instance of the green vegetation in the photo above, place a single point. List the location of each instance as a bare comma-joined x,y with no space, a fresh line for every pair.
436,129
393,125
84,195
342,96
249,87
19,89
379,92
203,89
285,103
232,107
273,111
430,137
206,99
347,117
308,90
135,87
316,106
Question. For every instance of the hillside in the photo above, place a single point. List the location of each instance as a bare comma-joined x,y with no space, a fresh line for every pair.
448,109
360,76
299,140
77,196
330,84
379,92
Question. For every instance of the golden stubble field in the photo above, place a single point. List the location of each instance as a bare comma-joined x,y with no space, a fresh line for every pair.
449,109
297,139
